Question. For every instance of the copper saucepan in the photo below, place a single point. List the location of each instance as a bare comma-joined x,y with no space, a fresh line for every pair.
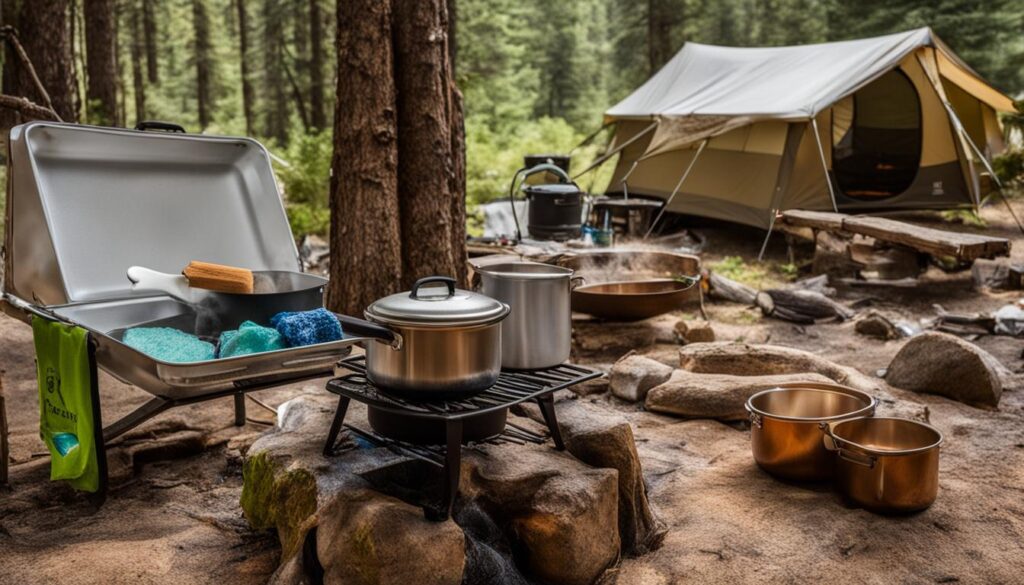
887,465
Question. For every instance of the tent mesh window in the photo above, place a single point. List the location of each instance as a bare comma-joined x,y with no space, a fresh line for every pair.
876,138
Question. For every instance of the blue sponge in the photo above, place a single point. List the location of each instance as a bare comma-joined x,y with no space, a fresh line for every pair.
249,338
169,345
307,327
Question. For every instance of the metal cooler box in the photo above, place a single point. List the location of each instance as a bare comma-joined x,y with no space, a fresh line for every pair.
85,203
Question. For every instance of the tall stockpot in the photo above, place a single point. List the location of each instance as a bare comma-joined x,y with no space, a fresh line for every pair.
445,342
538,331
785,431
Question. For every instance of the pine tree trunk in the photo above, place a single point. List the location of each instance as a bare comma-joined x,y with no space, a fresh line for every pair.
138,75
201,26
149,27
318,119
660,20
431,194
44,31
366,258
243,49
100,39
273,73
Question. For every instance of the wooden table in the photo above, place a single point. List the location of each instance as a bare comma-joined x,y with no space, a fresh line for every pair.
941,243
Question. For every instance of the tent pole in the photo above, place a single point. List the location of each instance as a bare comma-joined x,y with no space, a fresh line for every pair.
615,151
824,165
675,191
771,226
984,161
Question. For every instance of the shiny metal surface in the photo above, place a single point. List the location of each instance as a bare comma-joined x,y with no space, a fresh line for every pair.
444,306
887,465
86,203
436,360
785,436
107,321
632,300
538,330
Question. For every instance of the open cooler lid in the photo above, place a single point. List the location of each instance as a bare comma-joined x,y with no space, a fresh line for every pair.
85,203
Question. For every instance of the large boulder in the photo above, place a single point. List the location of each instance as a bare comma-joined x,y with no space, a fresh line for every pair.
718,396
939,363
605,439
562,514
633,375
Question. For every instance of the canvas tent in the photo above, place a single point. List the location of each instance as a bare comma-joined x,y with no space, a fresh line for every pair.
893,122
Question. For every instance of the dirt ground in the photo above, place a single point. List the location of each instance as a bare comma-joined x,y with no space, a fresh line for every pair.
173,512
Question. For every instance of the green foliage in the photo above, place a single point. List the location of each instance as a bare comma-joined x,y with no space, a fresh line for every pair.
1010,167
964,217
759,275
305,180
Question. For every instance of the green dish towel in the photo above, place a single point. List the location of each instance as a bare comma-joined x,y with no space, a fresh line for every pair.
66,418
249,338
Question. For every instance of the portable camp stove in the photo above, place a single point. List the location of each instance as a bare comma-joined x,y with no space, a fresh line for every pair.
435,431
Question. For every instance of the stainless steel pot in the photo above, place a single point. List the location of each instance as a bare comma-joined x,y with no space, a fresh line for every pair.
446,344
785,436
888,465
538,332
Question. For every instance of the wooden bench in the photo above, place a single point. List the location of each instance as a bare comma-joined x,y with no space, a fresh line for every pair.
940,243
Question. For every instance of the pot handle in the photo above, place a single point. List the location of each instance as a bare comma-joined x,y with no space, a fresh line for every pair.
755,419
576,281
158,125
450,282
834,443
365,328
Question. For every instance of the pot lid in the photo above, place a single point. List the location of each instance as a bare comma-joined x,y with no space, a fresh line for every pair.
552,189
89,202
437,305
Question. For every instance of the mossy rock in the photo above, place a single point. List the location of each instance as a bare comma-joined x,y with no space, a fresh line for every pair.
277,498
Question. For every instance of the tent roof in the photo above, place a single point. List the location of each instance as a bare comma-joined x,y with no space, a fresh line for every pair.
785,83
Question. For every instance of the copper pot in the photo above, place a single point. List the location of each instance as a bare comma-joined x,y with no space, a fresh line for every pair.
887,465
785,436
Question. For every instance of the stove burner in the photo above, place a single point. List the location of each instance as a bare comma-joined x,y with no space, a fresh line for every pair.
435,431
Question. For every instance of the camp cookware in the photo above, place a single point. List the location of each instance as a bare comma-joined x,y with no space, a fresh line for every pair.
274,291
555,210
85,203
886,464
633,300
785,436
538,331
448,342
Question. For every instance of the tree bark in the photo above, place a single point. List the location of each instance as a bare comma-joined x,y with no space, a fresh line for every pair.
100,45
45,34
273,74
366,251
203,50
243,49
149,27
429,162
138,75
318,119
660,22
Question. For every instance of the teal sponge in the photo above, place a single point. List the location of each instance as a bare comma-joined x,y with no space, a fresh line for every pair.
169,345
249,338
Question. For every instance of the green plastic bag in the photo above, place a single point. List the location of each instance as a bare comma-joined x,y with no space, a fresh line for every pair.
66,418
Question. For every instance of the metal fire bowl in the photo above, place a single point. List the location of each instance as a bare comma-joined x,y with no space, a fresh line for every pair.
633,300
422,431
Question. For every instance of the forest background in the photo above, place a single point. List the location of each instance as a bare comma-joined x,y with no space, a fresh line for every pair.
536,74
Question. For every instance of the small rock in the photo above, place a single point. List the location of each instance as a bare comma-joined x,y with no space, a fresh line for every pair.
874,324
633,375
939,363
995,274
594,338
718,396
696,332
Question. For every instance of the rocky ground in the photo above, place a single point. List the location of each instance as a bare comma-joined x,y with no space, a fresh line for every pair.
175,512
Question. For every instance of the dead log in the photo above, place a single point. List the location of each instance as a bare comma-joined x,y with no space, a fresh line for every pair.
720,287
799,306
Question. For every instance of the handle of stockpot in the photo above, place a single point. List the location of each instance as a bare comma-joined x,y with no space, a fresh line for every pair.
576,281
158,125
755,419
365,328
555,170
450,282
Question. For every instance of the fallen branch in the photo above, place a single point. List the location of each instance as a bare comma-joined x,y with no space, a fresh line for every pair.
799,306
27,108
